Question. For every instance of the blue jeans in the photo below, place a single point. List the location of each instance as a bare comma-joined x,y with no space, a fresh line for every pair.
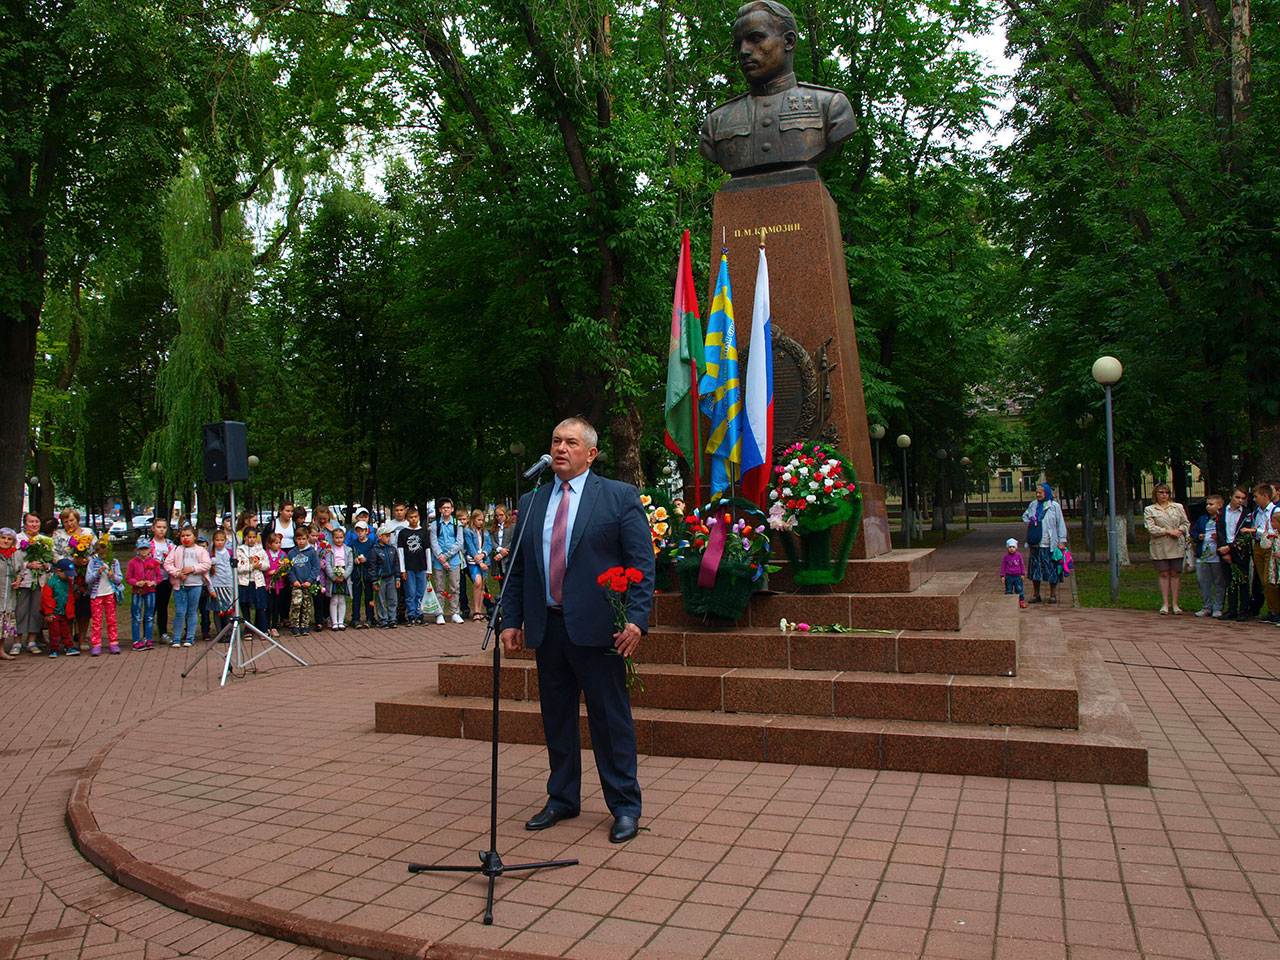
142,612
361,599
415,585
1013,584
186,613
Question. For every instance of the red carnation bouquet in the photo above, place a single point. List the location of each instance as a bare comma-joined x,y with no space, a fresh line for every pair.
615,582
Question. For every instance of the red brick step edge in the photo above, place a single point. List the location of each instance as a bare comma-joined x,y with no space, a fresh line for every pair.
173,891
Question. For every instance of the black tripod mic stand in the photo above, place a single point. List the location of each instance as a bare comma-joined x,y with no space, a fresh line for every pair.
491,864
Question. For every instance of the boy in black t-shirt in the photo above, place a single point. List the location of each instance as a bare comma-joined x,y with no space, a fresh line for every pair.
415,559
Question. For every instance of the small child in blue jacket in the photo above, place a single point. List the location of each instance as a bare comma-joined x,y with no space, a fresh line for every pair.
304,578
384,571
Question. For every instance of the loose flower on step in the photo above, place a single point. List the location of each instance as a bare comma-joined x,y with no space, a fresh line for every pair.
787,626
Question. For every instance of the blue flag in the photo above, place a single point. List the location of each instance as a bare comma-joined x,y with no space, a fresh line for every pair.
720,392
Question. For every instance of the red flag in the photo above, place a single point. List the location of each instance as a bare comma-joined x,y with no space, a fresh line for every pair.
684,367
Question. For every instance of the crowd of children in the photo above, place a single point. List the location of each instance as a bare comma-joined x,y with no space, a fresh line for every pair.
292,575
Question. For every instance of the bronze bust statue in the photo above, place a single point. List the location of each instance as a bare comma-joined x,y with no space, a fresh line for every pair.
779,123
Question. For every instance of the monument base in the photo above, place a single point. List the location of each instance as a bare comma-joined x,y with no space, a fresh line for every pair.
818,394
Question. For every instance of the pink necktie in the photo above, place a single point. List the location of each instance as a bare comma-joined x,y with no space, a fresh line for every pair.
558,533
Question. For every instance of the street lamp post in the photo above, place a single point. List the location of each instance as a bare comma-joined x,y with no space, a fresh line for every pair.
1107,372
965,462
877,434
904,442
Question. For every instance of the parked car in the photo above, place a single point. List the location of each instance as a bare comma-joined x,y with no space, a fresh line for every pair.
119,529
141,523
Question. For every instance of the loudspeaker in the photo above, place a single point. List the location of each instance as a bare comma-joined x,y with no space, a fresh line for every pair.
226,452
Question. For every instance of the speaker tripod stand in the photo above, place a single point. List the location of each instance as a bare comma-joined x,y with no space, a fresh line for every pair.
234,634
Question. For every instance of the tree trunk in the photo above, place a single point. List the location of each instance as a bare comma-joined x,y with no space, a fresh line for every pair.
18,374
125,503
939,521
44,475
625,428
1216,466
1178,475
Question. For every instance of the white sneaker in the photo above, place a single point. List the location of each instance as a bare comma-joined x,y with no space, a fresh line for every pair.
456,618
1217,614
440,618
1164,611
17,647
33,647
1202,613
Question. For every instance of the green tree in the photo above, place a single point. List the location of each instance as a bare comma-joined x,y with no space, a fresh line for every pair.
1143,200
88,135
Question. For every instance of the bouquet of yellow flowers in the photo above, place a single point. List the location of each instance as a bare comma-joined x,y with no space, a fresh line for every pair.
281,572
81,545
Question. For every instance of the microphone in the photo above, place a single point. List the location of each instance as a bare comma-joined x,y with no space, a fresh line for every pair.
539,465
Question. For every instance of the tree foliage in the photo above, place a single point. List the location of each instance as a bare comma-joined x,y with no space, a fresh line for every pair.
1143,204
399,237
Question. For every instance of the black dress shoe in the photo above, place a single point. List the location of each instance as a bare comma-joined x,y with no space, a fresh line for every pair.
624,828
548,818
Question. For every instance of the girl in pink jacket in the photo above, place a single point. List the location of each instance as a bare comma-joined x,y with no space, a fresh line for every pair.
186,565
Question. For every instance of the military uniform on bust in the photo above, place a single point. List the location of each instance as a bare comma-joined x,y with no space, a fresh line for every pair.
784,124
779,123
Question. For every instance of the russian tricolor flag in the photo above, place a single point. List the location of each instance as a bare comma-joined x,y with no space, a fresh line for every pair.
757,438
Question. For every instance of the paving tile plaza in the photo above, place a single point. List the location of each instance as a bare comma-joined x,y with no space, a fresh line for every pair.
278,791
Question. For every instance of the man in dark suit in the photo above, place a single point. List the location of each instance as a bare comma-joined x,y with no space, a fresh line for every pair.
579,526
1229,523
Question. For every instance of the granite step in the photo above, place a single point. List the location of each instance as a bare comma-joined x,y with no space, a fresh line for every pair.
1043,696
1107,750
940,603
899,571
985,645
1104,747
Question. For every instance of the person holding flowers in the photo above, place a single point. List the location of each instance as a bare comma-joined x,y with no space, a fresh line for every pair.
105,584
277,576
580,525
251,578
35,554
304,579
70,542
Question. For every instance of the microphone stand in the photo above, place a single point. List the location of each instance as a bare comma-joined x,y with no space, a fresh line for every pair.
491,864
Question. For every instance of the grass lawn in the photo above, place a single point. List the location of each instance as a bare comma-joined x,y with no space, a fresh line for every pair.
1138,587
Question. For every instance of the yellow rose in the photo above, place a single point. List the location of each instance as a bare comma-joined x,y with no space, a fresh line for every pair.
660,529
645,499
660,513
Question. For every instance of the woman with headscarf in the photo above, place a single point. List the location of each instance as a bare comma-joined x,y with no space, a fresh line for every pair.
1046,531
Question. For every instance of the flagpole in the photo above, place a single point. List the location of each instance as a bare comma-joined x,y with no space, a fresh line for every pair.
724,252
697,440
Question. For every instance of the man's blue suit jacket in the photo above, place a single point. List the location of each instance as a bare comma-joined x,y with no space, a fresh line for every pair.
610,530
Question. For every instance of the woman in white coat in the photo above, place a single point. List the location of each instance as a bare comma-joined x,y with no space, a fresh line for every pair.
1046,530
